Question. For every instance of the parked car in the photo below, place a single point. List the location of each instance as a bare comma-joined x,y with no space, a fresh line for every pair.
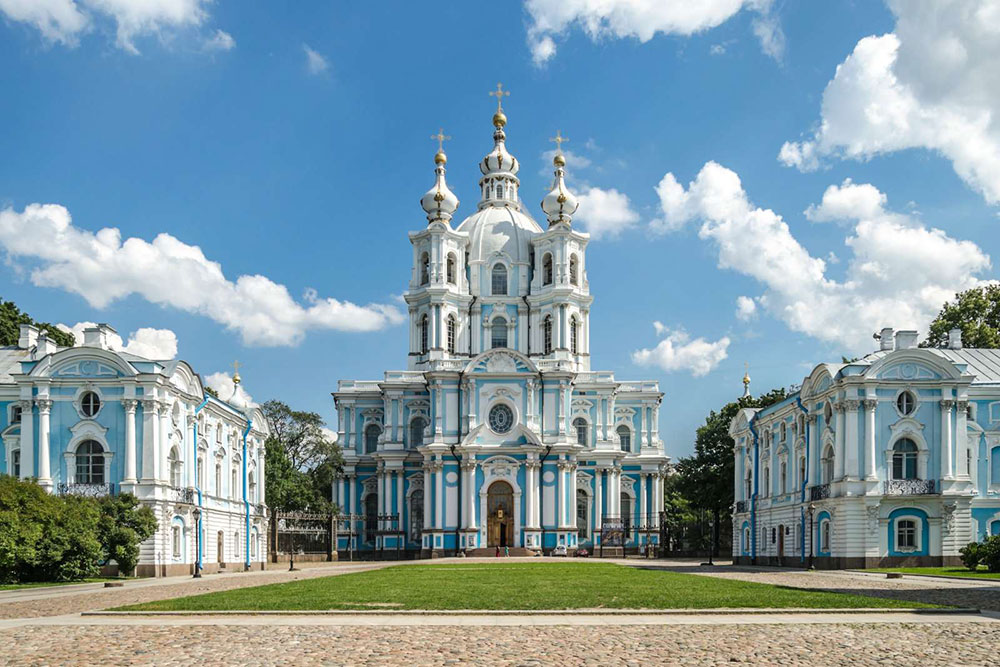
560,550
581,553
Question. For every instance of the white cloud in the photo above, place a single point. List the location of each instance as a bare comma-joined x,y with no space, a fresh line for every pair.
746,308
899,274
103,269
933,83
223,385
149,343
717,49
316,63
64,21
605,213
220,41
642,20
677,352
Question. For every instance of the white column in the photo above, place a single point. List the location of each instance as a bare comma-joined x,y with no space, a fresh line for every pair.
150,439
164,448
439,504
851,463
44,471
870,405
341,497
380,489
947,463
961,439
615,493
839,441
598,496
129,405
400,500
642,496
812,470
27,440
560,490
571,519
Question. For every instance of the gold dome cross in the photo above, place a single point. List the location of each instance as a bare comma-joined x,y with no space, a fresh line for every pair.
559,140
499,93
440,137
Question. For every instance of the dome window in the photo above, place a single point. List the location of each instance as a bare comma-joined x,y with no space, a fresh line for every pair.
499,280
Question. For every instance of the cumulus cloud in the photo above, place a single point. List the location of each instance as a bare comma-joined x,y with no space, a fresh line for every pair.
222,384
63,21
605,213
149,343
641,20
102,268
932,83
678,352
316,62
746,308
899,274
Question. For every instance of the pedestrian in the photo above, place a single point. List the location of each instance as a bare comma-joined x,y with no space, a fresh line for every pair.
506,552
498,551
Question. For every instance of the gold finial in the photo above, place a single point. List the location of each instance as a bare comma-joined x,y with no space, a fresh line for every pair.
559,160
746,374
236,372
440,137
499,119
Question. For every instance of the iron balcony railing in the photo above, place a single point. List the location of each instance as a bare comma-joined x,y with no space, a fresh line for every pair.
88,490
819,492
182,495
909,487
742,506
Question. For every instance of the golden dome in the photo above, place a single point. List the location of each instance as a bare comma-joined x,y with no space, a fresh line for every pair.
559,160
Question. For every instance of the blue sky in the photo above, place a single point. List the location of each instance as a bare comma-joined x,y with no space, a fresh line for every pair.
292,142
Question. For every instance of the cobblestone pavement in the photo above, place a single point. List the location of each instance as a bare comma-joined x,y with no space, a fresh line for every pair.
847,644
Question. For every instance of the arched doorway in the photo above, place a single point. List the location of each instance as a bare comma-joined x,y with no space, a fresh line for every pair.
500,515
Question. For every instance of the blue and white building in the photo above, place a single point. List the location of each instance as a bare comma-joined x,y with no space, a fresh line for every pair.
90,420
499,434
889,460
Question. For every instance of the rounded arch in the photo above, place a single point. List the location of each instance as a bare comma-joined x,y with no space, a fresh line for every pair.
499,275
498,330
547,268
574,269
451,271
581,425
425,268
908,429
519,360
69,360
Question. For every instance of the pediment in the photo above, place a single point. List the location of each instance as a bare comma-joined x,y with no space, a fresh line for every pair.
501,362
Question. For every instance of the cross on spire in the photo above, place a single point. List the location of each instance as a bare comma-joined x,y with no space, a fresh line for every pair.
499,93
440,137
559,140
236,372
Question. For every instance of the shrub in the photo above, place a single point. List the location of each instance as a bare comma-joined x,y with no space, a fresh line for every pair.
989,553
971,555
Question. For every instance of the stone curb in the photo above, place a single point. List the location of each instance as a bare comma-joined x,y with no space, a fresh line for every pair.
947,577
553,612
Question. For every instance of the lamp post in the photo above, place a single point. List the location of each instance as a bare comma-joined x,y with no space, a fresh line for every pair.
711,546
197,536
812,535
291,548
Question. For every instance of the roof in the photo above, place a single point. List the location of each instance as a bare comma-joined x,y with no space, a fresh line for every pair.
10,362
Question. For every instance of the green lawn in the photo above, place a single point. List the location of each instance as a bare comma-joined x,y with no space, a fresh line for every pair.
40,584
515,586
981,573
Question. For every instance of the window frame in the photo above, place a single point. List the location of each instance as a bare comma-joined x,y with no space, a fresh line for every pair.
451,324
451,274
904,399
626,444
499,280
547,334
90,397
907,460
89,466
578,424
498,324
547,269
371,443
574,270
412,430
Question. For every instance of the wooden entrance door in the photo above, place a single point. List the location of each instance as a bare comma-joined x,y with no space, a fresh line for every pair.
500,515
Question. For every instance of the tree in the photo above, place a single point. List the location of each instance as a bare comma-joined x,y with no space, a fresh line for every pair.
706,479
301,460
976,312
124,524
11,319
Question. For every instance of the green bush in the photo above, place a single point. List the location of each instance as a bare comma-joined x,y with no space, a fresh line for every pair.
971,555
989,553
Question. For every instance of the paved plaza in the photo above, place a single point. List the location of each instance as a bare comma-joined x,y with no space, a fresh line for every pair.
45,626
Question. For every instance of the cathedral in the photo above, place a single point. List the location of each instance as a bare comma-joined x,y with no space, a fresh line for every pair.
498,435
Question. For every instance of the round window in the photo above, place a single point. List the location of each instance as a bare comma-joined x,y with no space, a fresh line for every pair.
906,403
90,404
501,418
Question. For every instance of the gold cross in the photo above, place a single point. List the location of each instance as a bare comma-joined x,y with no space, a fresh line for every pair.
499,93
559,140
236,367
441,138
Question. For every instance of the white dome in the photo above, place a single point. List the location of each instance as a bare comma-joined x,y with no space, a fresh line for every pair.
503,229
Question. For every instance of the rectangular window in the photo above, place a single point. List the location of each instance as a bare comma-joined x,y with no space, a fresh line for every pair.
175,539
906,534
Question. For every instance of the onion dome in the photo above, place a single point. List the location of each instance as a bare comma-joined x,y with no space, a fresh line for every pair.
499,162
439,202
560,204
746,382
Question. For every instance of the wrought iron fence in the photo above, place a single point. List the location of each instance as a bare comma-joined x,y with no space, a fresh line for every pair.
301,533
819,492
909,487
88,490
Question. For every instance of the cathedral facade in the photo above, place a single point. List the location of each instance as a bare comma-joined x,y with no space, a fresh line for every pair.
499,434
885,461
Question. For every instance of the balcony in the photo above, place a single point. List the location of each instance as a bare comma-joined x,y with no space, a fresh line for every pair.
742,506
87,490
182,495
909,487
819,492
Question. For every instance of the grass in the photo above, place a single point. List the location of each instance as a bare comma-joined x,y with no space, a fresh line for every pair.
981,573
522,586
42,584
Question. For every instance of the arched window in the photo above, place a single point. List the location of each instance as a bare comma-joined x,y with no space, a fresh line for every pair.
574,270
220,547
582,506
547,334
452,326
767,481
15,463
424,335
580,424
218,433
802,470
498,281
749,485
234,484
624,438
784,431
416,515
906,403
90,404
828,414
451,268
827,465
201,473
824,535
783,477
573,335
417,432
626,505
175,467
904,459
236,545
89,463
499,191
425,269
175,540
906,534
498,333
218,479
547,269
371,438
252,486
